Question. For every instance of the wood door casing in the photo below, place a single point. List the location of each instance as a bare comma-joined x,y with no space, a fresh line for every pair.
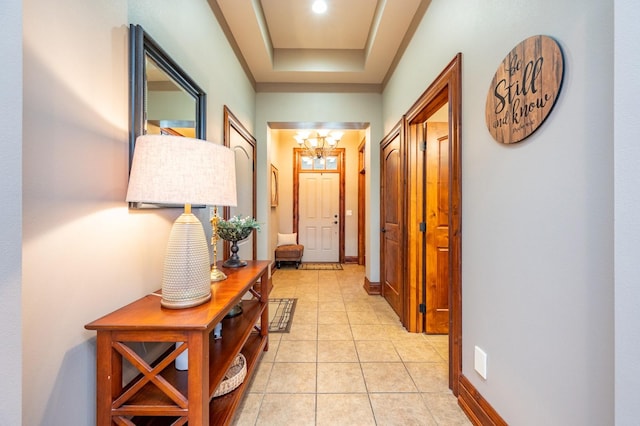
392,220
238,139
447,87
361,203
437,220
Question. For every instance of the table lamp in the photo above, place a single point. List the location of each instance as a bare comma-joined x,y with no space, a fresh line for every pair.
185,171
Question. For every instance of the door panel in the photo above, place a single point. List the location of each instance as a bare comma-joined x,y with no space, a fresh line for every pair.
318,208
244,183
437,250
391,234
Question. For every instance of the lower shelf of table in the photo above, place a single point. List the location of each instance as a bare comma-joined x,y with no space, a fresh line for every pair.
238,335
222,408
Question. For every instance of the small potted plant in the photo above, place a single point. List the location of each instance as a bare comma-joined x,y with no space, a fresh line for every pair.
236,229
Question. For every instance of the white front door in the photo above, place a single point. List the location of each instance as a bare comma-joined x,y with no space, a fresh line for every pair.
318,228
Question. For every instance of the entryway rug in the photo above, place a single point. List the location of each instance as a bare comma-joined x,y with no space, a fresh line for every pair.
281,314
321,266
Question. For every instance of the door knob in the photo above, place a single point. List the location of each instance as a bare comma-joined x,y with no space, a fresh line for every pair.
383,230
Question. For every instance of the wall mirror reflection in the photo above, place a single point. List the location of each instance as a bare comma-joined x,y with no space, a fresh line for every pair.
170,108
164,99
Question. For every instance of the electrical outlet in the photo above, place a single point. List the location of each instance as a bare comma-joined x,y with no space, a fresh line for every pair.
480,362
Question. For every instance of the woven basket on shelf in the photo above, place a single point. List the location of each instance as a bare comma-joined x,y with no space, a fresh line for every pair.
234,377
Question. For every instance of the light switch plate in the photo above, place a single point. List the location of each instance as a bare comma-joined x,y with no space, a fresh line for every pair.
480,362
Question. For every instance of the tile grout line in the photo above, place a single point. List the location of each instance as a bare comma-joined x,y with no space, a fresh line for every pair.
347,289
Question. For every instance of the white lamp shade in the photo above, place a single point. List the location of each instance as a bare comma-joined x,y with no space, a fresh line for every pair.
180,170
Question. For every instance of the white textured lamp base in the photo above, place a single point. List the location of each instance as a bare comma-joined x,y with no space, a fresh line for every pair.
186,281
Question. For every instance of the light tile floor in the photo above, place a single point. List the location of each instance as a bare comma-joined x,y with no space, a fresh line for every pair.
347,361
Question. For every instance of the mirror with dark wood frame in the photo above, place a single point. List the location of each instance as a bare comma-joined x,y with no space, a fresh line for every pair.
163,99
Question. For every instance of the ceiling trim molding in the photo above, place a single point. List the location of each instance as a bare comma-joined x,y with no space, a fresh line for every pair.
377,17
319,60
413,26
294,125
264,29
308,69
318,88
232,41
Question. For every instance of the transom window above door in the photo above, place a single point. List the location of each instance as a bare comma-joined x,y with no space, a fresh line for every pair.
326,163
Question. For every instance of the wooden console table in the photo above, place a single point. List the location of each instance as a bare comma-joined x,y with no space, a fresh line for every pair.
159,394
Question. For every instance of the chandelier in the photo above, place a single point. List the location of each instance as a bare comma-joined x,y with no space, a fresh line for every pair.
318,143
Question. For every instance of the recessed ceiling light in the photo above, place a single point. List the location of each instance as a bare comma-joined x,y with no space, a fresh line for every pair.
319,6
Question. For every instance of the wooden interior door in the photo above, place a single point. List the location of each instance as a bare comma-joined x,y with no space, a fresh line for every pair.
318,229
437,220
391,234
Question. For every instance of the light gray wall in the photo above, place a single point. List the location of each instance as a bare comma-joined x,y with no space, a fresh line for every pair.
191,34
11,196
537,223
84,252
323,107
174,105
627,205
537,229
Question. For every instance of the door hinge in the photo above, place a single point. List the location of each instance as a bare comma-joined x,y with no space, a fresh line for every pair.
423,308
423,146
423,227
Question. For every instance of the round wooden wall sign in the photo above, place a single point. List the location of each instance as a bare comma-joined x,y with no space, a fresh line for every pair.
524,89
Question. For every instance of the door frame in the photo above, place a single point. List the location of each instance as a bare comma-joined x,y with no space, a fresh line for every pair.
230,121
449,82
361,202
297,169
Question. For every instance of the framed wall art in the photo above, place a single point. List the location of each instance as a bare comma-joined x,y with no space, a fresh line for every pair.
524,89
274,186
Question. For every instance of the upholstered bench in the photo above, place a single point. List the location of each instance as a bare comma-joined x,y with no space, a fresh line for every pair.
288,250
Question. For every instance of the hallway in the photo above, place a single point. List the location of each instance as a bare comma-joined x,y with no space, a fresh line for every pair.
347,361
